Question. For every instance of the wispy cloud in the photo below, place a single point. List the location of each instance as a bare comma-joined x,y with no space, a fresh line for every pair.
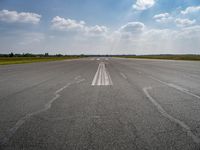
166,27
143,4
94,30
22,17
184,22
59,23
132,27
163,18
192,9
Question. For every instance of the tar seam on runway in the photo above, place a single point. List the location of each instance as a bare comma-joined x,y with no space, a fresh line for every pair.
195,138
28,116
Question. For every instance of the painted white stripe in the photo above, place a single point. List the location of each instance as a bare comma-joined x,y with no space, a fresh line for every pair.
123,75
96,76
109,79
187,129
102,77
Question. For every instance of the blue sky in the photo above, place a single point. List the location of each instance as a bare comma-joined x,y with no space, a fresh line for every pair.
100,26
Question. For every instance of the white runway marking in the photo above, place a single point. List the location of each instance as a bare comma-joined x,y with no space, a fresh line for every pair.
177,87
102,77
123,75
171,118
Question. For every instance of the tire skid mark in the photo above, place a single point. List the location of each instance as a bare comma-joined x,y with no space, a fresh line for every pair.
185,127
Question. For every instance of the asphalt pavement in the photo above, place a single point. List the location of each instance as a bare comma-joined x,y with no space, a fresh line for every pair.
100,104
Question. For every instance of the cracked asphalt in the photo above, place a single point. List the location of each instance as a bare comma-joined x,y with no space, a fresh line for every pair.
151,105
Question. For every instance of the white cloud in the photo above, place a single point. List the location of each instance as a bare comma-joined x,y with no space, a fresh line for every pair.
63,24
22,17
189,33
184,22
97,29
192,9
132,27
163,18
129,31
31,38
143,4
67,24
131,38
157,41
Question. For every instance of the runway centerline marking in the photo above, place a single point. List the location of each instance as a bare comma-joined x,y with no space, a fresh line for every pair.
188,130
102,77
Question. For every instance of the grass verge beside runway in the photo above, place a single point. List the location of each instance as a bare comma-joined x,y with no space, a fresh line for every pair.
22,60
166,57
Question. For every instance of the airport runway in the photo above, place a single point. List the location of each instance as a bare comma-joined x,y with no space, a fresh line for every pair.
100,104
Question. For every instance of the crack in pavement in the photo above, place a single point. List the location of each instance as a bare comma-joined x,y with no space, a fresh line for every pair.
187,129
47,106
176,87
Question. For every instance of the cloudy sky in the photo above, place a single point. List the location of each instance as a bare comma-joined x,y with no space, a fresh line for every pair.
100,26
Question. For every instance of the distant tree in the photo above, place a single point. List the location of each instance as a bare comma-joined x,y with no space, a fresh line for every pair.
11,54
46,54
59,55
17,55
28,55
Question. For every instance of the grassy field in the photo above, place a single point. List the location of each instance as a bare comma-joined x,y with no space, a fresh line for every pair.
167,57
22,60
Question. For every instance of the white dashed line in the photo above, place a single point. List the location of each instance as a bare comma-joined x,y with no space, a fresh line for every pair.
102,77
123,75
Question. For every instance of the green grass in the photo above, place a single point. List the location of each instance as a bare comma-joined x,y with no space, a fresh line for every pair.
22,60
167,57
